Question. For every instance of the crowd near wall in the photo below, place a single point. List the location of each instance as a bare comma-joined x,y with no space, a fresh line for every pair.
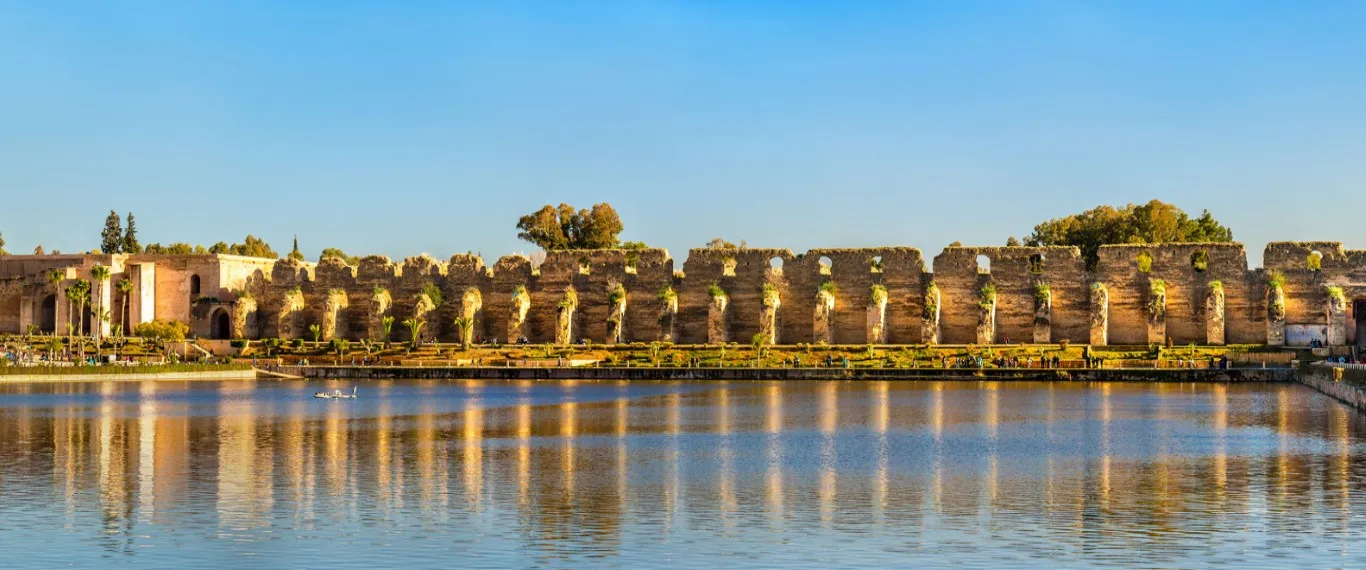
1200,293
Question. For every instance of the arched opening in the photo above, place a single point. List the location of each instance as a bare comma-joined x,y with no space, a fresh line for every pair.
219,325
875,264
825,265
194,287
728,267
1314,262
1036,263
47,314
1200,260
775,265
983,264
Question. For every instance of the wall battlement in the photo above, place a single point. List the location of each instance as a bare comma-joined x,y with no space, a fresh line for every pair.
1191,293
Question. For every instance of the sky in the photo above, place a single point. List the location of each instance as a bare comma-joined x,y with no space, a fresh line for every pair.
406,127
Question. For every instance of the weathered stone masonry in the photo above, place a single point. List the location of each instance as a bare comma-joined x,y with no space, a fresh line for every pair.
1136,294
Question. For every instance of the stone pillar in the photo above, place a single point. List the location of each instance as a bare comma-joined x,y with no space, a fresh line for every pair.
1336,313
336,302
564,317
768,316
521,303
26,302
1275,316
1043,316
1157,312
825,308
142,302
379,308
285,325
668,314
986,321
1100,314
1214,313
929,316
716,318
616,315
877,315
243,314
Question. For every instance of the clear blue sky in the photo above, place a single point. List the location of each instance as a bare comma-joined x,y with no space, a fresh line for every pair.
404,127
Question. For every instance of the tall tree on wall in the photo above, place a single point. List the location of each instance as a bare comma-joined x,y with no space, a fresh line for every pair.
561,228
130,237
296,254
1154,222
111,238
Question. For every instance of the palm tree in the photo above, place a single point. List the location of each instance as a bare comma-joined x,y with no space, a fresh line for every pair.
55,277
125,287
414,329
466,327
100,274
386,324
104,317
317,331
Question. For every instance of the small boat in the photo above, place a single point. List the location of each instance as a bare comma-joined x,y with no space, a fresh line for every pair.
336,394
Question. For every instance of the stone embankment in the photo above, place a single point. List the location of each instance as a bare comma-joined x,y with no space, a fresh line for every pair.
1345,383
767,374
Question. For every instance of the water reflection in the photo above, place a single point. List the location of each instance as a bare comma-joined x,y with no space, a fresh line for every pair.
577,473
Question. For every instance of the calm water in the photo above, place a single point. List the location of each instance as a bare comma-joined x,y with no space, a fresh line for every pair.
577,474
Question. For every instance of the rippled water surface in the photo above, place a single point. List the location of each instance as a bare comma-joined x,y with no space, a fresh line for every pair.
688,474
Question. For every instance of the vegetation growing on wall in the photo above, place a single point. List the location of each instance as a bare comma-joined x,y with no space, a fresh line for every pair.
770,295
1275,295
1157,298
1154,222
986,296
931,301
562,228
877,294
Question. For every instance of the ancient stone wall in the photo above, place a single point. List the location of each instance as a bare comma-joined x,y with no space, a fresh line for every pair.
986,294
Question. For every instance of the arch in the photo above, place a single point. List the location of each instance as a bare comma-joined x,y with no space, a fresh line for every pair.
983,263
1314,261
776,265
1200,260
1036,263
875,264
728,267
825,265
220,327
47,314
194,286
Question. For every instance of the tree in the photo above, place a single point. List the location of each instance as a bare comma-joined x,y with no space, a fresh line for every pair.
563,228
111,239
130,237
220,247
414,329
1012,241
125,288
466,327
161,331
100,274
386,325
37,250
718,243
295,254
55,277
1154,222
79,293
2,245
339,254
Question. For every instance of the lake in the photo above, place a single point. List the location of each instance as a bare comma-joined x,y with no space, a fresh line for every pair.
477,474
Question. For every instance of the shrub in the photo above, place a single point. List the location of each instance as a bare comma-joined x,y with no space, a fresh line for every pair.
160,330
1275,279
715,291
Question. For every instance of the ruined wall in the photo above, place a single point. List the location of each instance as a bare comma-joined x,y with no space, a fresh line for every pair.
342,299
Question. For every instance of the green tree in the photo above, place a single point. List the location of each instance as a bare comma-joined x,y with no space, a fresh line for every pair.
295,254
2,245
386,325
564,228
125,288
252,247
220,247
317,331
130,237
1153,222
79,293
100,274
111,239
718,243
414,329
466,327
339,254
55,278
